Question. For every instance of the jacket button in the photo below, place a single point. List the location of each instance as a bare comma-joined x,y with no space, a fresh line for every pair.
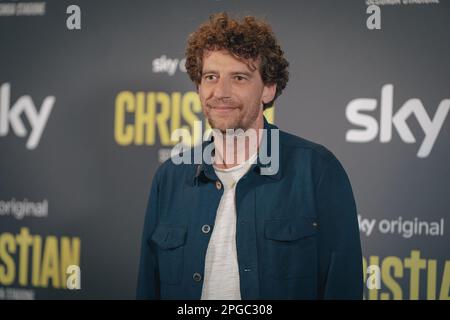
218,185
197,277
206,228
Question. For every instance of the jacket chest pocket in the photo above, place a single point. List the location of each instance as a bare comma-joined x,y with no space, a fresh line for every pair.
290,248
170,241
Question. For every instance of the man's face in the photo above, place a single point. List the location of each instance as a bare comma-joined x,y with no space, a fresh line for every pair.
231,93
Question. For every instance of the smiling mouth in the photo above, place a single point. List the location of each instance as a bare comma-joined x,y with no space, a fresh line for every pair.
223,110
223,107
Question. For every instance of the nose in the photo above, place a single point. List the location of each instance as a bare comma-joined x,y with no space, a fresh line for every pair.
222,89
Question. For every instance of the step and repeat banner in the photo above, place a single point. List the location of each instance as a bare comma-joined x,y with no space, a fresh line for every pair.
90,92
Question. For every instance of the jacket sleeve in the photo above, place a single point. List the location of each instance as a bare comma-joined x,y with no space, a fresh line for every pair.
339,246
148,275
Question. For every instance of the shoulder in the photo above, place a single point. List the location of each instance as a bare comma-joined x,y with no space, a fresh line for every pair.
302,157
296,146
177,166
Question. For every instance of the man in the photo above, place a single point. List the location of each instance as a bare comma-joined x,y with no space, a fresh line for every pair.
230,227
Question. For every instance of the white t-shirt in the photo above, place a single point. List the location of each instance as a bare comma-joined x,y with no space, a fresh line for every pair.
221,279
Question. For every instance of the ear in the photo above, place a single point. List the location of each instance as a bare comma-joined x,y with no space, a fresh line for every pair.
269,92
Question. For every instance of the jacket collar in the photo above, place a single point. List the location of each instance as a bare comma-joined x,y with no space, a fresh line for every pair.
205,170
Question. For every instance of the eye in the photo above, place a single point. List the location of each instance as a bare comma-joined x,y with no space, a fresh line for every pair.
209,77
240,78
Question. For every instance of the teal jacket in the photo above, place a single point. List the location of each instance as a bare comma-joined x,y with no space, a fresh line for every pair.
297,233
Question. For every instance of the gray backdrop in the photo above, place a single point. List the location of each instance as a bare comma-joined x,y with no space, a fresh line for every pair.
85,183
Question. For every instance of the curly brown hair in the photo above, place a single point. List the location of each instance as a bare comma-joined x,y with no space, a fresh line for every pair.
247,39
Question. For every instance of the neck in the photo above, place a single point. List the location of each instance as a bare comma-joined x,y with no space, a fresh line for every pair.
234,148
